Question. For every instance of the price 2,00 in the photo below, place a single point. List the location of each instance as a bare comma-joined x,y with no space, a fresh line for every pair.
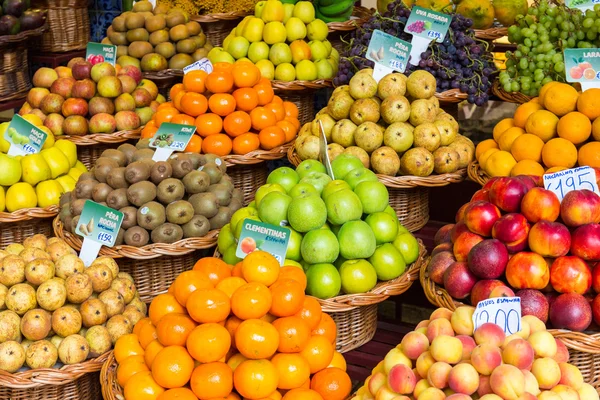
508,320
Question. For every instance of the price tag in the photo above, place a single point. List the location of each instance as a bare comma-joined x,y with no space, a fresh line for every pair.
583,5
98,52
502,311
323,155
98,225
200,65
562,182
583,66
24,137
425,26
169,138
257,235
389,54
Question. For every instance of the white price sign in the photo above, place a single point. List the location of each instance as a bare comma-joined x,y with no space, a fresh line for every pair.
562,182
200,65
502,311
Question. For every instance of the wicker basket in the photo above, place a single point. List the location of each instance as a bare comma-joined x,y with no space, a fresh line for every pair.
9,40
14,72
477,174
71,382
258,156
337,30
248,178
451,96
69,25
218,26
302,94
584,349
90,147
435,294
516,97
108,380
21,224
165,79
491,33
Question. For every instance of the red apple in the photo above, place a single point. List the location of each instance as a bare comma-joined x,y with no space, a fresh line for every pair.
84,89
460,214
570,274
458,280
596,309
132,71
63,87
82,70
458,229
480,217
75,125
534,302
443,234
585,242
527,270
482,289
488,259
540,204
481,195
549,239
512,230
488,184
74,106
596,277
463,245
571,311
531,181
438,264
506,193
580,207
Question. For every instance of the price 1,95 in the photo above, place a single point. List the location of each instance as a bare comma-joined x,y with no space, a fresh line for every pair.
105,237
434,35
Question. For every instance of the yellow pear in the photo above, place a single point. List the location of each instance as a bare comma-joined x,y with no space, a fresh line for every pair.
69,149
253,30
20,195
57,161
237,31
49,142
79,165
273,11
67,182
75,173
4,144
2,200
48,193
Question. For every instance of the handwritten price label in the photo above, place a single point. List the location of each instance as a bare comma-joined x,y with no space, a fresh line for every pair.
435,35
562,182
502,311
200,65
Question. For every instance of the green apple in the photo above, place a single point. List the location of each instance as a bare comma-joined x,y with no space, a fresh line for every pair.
229,255
240,215
225,238
317,30
258,51
273,208
293,250
306,70
324,69
359,175
343,206
334,186
392,212
374,196
384,226
301,189
388,262
319,246
327,45
238,47
305,11
267,70
308,166
274,32
288,10
307,212
284,176
243,59
357,240
223,56
345,163
258,8
323,281
238,30
408,246
318,50
253,30
333,63
318,179
272,11
280,53
295,29
358,276
265,189
285,72
227,41
292,263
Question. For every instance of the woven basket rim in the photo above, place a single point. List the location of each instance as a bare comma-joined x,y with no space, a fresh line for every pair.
362,15
26,214
220,17
165,74
258,156
516,97
477,174
451,96
492,33
295,86
435,294
104,138
35,378
154,250
108,378
23,36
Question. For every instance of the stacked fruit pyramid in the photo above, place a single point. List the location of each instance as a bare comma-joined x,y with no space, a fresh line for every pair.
445,357
558,130
244,331
56,309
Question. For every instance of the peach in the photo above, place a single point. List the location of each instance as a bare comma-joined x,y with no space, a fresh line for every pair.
548,395
401,379
462,320
431,393
447,349
519,353
448,392
570,375
423,324
527,396
485,358
525,330
543,344
490,396
508,382
489,333
376,382
535,324
587,392
531,384
421,385
413,344
385,393
438,375
444,247
424,362
484,385
468,345
510,338
441,312
422,330
546,371
377,368
562,353
565,392
440,326
394,357
463,379
459,396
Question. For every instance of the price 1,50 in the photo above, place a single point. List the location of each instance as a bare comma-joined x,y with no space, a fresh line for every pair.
105,237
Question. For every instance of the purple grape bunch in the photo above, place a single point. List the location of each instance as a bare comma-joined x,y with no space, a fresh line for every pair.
416,27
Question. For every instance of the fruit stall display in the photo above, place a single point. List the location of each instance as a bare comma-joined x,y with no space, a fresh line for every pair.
343,233
447,357
59,314
247,332
558,131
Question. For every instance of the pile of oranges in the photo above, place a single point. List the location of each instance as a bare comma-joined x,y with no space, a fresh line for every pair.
234,332
233,108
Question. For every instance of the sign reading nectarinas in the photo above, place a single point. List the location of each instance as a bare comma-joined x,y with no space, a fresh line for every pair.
257,235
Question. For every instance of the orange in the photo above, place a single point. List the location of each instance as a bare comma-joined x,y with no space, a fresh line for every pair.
596,129
507,138
245,75
559,152
260,266
214,268
174,329
271,137
208,343
149,130
575,127
183,119
178,87
523,112
255,379
221,104
293,370
128,345
483,146
262,118
502,126
237,123
230,285
484,157
588,103
231,325
178,394
208,305
294,121
142,386
291,110
129,367
177,100
338,361
268,318
265,92
288,298
277,109
311,312
189,281
245,143
295,273
555,169
151,351
167,104
543,124
165,115
332,384
288,128
589,155
499,163
256,339
326,328
277,100
194,145
246,99
172,367
293,334
233,396
302,394
208,124
219,144
235,360
527,147
222,66
194,81
544,90
194,104
219,81
147,335
237,270
561,99
140,324
318,352
212,380
527,167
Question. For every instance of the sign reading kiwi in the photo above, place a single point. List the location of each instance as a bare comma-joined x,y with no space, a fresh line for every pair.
97,52
257,235
169,138
98,225
24,137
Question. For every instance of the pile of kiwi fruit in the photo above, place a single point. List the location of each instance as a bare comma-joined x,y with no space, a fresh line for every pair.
186,196
154,39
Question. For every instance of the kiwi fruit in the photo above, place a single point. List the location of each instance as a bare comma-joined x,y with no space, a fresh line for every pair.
136,236
237,194
235,204
117,199
197,159
158,37
137,171
65,211
118,24
226,180
205,204
213,172
155,23
181,165
127,149
100,192
67,223
142,153
160,171
151,215
72,196
142,144
222,192
221,219
218,162
196,182
139,49
77,206
129,217
116,178
167,233
134,21
120,237
198,226
179,212
142,6
175,18
141,192
83,189
74,223
65,198
102,167
148,161
178,61
170,190
194,28
165,49
86,176
116,155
